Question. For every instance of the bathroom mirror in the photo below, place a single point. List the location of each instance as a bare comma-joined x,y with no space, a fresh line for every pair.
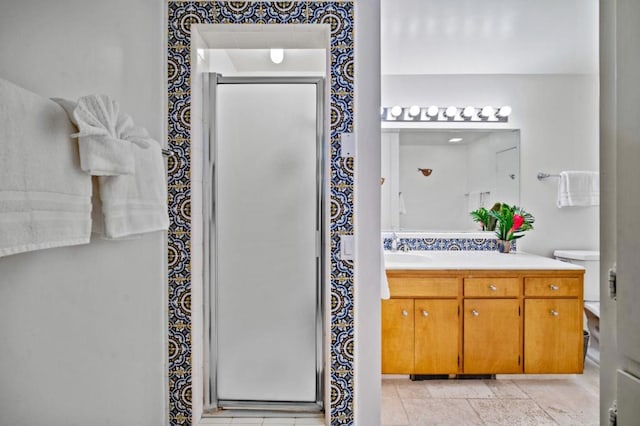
468,169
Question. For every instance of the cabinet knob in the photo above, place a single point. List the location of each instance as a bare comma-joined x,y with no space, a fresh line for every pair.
405,313
554,287
554,312
475,313
425,313
492,287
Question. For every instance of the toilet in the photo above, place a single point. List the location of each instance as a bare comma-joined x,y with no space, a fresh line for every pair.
590,261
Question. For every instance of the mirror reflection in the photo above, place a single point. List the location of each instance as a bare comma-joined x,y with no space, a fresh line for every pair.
433,178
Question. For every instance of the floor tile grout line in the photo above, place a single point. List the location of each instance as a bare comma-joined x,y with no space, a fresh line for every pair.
476,411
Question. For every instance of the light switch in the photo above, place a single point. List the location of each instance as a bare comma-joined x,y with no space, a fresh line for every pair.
347,144
347,247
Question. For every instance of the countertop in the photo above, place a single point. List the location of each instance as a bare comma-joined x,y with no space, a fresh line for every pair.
470,260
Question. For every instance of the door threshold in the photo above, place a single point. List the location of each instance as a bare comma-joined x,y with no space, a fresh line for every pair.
253,413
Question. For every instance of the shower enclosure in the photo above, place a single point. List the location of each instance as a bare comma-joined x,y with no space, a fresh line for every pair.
266,264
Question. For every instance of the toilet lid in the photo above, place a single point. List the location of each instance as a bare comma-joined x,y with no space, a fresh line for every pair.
578,254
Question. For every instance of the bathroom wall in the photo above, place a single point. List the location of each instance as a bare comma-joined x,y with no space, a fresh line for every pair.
558,118
83,328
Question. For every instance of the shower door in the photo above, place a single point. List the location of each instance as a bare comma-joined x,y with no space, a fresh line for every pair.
267,321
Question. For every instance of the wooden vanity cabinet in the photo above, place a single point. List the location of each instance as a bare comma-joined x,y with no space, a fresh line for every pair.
492,343
397,336
421,326
437,335
553,325
482,322
492,325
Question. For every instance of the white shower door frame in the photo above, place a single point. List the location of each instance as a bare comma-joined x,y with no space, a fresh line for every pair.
213,399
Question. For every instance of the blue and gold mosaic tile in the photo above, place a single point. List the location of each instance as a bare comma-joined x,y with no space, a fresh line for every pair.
486,244
182,14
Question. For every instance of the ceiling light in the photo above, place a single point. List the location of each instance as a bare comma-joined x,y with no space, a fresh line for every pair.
396,111
432,111
414,111
487,111
277,55
504,111
469,112
455,140
451,111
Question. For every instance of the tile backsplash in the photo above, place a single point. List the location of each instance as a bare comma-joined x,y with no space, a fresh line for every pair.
444,241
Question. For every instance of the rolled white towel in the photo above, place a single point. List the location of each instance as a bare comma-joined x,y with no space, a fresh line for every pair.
106,137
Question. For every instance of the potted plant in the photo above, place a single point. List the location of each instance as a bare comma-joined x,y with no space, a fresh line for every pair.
512,221
482,216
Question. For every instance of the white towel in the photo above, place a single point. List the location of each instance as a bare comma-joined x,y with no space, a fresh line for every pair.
45,199
474,201
578,188
134,204
402,208
384,282
106,137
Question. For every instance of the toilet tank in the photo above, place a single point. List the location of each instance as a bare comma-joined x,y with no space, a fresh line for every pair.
590,261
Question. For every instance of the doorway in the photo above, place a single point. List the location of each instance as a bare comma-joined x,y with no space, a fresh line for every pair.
266,243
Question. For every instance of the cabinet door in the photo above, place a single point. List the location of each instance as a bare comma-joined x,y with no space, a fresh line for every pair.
397,336
492,343
553,336
437,335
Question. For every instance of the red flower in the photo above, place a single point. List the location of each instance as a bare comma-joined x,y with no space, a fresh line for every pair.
517,222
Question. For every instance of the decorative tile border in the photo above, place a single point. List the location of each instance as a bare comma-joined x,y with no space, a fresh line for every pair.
453,244
181,15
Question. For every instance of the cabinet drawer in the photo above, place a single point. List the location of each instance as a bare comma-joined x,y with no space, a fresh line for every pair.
424,287
553,287
492,287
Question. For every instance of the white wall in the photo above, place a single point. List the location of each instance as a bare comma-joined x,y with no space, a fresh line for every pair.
367,381
558,119
83,328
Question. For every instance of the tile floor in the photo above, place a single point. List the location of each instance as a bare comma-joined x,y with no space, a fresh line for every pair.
508,400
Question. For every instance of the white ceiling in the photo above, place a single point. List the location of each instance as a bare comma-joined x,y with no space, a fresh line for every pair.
489,36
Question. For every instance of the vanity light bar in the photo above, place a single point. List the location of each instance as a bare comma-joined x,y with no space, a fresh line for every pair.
446,114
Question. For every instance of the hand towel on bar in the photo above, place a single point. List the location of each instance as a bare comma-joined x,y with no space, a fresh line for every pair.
384,282
137,203
578,188
402,208
106,137
474,201
45,198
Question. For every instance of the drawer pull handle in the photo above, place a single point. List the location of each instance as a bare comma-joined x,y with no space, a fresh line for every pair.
475,313
425,313
554,287
554,313
493,287
405,313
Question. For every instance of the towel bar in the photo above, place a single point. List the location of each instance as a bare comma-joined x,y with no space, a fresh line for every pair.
542,175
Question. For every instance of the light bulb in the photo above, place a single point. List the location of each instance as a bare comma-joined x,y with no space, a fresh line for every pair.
487,111
451,111
396,110
414,110
469,112
455,140
504,111
432,111
277,56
